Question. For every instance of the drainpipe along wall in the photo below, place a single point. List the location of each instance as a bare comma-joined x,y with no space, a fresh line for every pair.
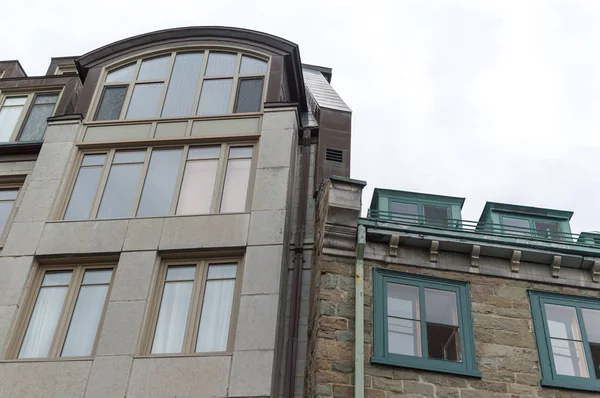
359,317
292,342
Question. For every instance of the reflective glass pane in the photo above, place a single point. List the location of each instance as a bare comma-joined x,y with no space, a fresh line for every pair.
404,337
9,115
96,276
8,194
591,320
436,215
93,160
213,331
84,193
547,230
154,68
240,152
516,226
183,84
159,187
562,322
443,342
120,191
123,74
15,101
440,307
569,358
85,321
235,189
181,273
220,64
57,278
221,271
111,103
144,101
207,152
40,331
35,125
5,209
172,317
214,98
249,96
253,65
197,187
129,157
403,301
405,211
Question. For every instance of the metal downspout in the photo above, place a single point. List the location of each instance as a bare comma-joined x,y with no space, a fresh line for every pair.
359,324
292,342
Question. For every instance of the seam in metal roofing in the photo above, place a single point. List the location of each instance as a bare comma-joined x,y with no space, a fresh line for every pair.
322,92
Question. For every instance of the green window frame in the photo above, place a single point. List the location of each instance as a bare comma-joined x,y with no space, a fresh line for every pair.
533,231
420,217
382,280
582,343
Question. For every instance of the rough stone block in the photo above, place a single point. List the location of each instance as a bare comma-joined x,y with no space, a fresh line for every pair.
101,236
257,323
143,234
109,377
251,374
134,275
121,329
262,269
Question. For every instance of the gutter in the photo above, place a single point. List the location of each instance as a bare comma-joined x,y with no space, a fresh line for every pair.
359,317
292,342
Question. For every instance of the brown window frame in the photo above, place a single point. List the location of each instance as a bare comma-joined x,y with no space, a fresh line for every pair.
195,308
67,310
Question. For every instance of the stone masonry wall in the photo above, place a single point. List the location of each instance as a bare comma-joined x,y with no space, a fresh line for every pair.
504,337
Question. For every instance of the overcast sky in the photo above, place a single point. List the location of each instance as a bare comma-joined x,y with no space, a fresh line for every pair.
487,100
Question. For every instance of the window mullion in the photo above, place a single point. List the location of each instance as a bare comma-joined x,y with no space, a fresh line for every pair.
235,83
220,179
179,179
200,285
200,82
237,292
423,323
251,178
28,312
163,95
140,188
102,185
156,304
67,311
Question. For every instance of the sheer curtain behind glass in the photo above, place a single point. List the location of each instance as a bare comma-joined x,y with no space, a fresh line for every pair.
9,115
235,189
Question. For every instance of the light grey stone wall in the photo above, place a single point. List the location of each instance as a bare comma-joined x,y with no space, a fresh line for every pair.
117,370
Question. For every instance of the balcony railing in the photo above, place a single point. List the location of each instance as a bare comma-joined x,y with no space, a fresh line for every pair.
484,229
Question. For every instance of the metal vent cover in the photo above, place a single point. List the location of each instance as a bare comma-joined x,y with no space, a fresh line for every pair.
334,155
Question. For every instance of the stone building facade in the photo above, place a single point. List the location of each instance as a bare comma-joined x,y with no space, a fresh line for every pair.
511,358
156,200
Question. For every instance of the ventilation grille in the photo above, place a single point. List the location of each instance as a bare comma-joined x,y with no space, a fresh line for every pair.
334,155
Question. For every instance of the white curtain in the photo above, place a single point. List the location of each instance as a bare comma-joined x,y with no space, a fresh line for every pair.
216,316
172,317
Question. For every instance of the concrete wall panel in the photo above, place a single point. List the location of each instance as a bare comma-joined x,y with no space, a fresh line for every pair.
100,236
117,133
223,128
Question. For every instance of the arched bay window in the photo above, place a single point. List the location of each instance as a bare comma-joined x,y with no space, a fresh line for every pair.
183,84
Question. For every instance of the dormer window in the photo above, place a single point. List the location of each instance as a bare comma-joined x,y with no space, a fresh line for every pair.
183,84
23,116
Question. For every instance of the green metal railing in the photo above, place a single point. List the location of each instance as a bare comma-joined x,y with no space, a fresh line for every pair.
482,228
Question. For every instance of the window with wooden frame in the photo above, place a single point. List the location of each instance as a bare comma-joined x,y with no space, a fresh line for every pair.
63,313
194,310
180,84
423,322
23,116
9,196
567,330
162,181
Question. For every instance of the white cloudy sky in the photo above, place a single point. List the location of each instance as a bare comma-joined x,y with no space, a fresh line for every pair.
488,100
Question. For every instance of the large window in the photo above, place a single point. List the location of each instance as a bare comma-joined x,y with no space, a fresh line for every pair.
421,213
567,330
23,117
540,229
161,182
194,308
64,312
423,322
183,84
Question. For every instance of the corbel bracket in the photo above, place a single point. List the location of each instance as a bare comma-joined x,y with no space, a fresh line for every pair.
475,255
515,261
394,241
596,271
433,251
555,266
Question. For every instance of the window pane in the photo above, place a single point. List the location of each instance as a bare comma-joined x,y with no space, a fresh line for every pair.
197,187
122,74
516,226
5,209
220,64
213,331
220,271
8,194
57,278
93,160
159,186
236,185
172,317
211,152
240,152
569,358
404,337
120,190
181,273
443,342
562,322
96,276
111,103
403,301
591,320
42,325
436,215
35,125
84,193
249,96
154,68
440,307
9,115
253,65
84,323
183,84
214,99
405,211
129,157
144,101
15,101
547,230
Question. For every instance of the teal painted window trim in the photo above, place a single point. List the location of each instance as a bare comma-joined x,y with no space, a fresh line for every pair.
549,376
381,354
421,218
532,230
